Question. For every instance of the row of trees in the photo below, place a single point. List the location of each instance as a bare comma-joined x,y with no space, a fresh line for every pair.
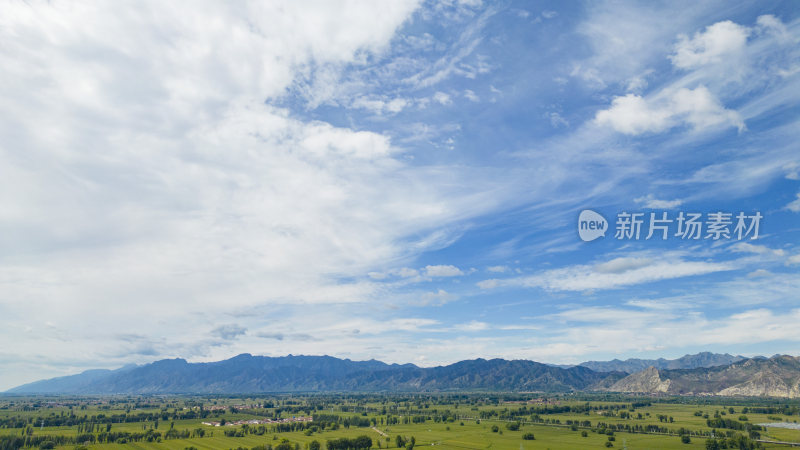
362,442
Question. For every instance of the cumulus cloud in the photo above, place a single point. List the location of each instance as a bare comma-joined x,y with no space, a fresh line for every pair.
712,45
633,114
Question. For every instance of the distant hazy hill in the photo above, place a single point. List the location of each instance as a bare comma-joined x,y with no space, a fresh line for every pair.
704,359
247,373
778,376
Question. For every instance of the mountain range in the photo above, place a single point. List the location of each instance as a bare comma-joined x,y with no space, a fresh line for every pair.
702,359
248,373
691,374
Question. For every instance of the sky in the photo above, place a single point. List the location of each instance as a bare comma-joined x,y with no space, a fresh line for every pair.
395,180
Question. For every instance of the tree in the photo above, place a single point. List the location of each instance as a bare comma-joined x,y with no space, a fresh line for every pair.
495,429
314,445
528,436
686,439
362,442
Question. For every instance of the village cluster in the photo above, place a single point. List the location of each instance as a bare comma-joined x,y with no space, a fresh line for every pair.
258,421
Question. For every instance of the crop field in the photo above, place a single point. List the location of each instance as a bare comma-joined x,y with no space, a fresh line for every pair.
447,421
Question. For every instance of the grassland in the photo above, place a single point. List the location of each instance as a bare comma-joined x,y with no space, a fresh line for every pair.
456,421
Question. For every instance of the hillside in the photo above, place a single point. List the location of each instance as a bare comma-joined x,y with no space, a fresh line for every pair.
778,376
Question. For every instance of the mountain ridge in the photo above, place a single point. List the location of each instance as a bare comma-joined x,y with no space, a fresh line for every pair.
247,373
778,376
632,365
759,376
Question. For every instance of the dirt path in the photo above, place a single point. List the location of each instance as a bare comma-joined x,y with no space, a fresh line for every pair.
380,432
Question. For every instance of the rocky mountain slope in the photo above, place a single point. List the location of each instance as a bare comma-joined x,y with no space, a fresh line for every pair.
778,376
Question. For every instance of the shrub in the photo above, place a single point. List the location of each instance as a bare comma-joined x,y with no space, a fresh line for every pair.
686,439
528,436
495,429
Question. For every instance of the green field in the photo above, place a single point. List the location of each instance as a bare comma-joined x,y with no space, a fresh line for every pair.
457,421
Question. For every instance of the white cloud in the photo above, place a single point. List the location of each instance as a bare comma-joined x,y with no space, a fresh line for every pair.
633,114
438,298
471,96
759,273
612,274
380,106
794,206
719,41
473,325
771,24
498,269
403,272
622,264
453,62
406,272
615,58
595,330
792,171
651,202
746,247
143,170
441,98
443,271
638,83
556,120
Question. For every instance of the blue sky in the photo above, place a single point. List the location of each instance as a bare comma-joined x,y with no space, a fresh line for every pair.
392,180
